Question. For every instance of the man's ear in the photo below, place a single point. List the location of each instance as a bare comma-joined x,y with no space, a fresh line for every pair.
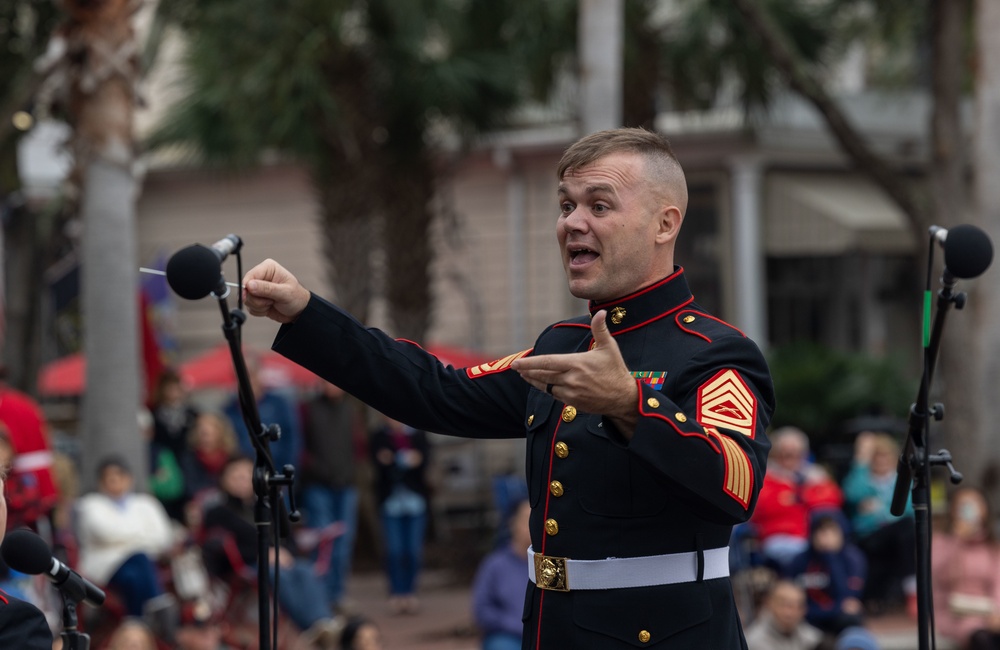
670,219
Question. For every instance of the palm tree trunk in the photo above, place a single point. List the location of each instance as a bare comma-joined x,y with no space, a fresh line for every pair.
408,209
101,104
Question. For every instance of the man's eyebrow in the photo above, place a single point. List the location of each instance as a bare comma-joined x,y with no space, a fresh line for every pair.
590,189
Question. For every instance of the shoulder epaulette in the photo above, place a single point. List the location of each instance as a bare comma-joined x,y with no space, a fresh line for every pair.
705,326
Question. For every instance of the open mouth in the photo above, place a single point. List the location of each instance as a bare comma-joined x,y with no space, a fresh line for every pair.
582,255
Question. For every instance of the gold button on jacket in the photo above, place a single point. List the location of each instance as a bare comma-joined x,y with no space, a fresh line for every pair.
557,488
551,526
562,449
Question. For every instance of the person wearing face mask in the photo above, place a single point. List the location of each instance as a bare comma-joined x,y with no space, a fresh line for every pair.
965,567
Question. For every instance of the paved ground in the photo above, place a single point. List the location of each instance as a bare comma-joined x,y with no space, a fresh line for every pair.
445,622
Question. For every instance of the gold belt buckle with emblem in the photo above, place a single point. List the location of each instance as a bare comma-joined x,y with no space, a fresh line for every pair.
550,572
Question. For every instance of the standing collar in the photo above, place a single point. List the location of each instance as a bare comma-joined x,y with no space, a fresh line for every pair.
646,305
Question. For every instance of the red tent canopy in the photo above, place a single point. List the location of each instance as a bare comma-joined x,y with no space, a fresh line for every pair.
214,369
63,377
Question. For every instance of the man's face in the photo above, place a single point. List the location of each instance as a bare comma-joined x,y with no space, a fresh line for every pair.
788,607
115,481
789,454
611,230
237,480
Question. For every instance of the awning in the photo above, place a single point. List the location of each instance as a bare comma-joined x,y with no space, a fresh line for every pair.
822,214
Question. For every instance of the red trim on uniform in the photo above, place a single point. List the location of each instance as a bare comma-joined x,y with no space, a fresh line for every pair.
670,421
3,597
545,517
600,306
578,325
655,318
704,315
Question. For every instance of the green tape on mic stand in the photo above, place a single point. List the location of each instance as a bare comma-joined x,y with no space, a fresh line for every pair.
927,318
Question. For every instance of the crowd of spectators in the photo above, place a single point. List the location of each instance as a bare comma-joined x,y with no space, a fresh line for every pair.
177,557
835,554
836,558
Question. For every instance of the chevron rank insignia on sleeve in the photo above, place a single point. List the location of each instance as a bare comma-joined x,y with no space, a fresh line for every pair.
495,366
726,401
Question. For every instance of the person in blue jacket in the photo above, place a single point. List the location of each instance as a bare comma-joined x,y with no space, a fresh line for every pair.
832,571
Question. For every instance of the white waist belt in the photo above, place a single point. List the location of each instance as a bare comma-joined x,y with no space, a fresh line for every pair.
561,574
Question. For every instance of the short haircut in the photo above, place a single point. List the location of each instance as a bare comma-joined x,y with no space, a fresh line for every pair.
662,167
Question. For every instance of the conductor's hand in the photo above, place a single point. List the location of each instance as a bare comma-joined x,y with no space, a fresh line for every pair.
595,381
270,290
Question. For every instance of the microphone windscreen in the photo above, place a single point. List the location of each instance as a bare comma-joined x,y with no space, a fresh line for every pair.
26,552
194,272
968,251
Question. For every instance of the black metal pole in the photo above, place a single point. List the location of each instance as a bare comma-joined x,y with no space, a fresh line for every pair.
72,638
264,471
913,469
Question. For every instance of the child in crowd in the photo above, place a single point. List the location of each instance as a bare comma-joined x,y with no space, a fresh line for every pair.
832,572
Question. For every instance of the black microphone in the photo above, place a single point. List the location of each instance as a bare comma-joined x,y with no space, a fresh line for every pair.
26,552
968,250
196,271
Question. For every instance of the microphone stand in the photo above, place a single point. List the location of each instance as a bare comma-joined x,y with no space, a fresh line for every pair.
267,482
915,463
72,637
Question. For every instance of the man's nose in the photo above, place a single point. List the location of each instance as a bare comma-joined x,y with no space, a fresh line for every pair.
576,220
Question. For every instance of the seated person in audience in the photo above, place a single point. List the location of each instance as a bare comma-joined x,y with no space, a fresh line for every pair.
498,590
212,442
965,570
832,572
781,625
886,540
121,536
793,488
301,593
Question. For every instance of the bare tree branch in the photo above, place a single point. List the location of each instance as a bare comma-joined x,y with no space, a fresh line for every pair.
803,81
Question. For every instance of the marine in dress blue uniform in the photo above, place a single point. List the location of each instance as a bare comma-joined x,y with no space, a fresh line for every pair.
22,625
630,522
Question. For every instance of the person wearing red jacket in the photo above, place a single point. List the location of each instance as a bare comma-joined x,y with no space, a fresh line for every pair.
33,454
794,487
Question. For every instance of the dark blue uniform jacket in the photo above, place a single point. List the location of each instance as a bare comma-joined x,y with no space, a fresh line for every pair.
692,470
22,625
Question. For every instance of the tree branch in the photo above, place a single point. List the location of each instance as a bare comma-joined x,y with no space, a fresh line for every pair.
784,58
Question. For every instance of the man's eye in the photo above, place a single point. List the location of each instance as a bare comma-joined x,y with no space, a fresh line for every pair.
566,208
600,208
